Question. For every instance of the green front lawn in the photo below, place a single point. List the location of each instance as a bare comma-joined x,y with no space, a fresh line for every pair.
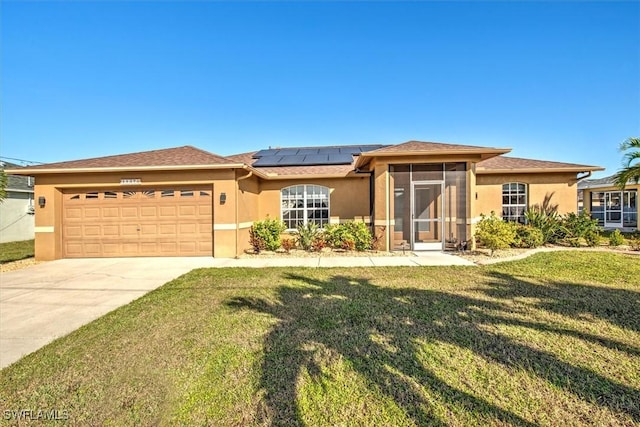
14,251
550,340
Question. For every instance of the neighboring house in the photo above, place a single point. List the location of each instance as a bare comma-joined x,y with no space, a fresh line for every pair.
612,207
188,202
16,210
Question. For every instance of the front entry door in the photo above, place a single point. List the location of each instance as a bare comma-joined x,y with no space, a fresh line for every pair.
613,209
426,213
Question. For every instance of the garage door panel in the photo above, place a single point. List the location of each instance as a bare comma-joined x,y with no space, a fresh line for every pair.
73,231
129,212
73,213
111,249
167,229
188,211
129,231
188,247
187,228
111,230
167,212
130,248
73,249
204,211
141,222
92,230
111,212
168,247
148,212
91,213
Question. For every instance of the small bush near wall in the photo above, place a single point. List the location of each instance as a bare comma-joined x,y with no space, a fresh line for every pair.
349,236
307,234
494,233
265,235
547,221
528,237
616,238
580,226
288,244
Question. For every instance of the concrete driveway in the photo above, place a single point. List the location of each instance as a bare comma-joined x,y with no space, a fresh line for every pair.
41,303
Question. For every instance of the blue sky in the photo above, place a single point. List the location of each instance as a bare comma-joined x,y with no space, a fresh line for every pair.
552,80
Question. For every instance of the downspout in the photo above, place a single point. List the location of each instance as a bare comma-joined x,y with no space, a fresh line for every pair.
580,178
237,207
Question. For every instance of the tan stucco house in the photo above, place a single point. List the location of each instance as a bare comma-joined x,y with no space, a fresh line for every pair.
188,202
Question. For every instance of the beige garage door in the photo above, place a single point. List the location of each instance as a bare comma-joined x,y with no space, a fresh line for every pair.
137,222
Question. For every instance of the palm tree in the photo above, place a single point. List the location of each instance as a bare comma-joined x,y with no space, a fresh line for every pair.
631,163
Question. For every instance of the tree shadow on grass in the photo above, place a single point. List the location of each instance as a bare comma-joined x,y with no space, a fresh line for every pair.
617,306
344,315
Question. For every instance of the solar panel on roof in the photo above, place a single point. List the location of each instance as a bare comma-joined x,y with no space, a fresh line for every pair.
264,153
287,152
267,161
339,159
316,159
291,160
310,155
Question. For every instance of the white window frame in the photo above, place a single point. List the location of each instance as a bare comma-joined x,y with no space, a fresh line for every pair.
308,193
510,192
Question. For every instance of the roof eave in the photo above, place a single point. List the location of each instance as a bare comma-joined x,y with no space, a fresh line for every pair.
436,152
485,154
18,190
539,170
275,177
32,172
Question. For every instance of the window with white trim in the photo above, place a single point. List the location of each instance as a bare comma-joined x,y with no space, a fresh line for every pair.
303,204
514,201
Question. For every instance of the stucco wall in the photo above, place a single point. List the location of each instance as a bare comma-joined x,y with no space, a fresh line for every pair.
16,223
248,208
562,188
348,197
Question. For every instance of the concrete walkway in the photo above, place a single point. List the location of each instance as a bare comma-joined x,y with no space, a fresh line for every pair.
48,300
418,259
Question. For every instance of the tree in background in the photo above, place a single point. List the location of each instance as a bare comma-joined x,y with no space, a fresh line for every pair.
3,185
631,163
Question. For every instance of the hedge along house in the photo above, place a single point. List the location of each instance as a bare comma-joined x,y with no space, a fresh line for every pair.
188,202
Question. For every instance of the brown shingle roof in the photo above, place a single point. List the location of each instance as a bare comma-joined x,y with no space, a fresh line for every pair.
502,163
179,156
422,146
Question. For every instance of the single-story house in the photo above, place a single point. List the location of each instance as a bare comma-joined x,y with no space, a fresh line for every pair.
185,201
17,210
612,207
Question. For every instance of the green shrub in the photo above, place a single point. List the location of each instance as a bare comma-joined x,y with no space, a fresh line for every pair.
307,234
349,235
592,238
528,237
547,221
265,235
616,238
634,242
580,226
494,233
